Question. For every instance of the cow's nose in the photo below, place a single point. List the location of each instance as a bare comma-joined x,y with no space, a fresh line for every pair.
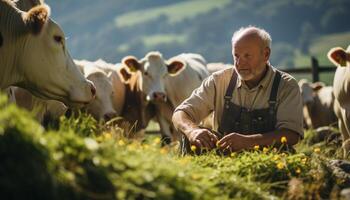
159,96
109,116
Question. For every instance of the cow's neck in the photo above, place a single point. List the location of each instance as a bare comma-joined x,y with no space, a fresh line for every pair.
13,30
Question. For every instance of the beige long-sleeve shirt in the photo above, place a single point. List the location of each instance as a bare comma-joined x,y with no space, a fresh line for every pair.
209,97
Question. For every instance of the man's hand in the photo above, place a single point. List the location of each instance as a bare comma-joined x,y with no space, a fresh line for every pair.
235,142
203,138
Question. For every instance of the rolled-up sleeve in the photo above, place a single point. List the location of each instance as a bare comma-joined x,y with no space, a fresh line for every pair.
290,108
201,102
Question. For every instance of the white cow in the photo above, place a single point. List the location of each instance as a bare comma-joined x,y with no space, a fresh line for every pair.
341,90
172,80
110,91
317,98
33,55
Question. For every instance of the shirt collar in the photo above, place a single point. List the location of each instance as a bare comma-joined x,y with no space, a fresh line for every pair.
263,83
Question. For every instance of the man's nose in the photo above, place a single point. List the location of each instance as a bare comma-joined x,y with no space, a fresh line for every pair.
238,61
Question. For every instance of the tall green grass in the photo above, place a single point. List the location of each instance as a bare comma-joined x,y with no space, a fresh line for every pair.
86,160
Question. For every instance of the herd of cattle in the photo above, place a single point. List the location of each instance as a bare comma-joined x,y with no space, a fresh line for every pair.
34,60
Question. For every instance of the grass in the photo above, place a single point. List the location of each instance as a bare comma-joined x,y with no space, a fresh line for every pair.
87,160
175,12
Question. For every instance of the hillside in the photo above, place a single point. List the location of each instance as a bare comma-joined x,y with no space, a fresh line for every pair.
112,29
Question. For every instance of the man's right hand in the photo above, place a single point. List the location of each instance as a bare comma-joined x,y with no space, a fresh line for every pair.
203,138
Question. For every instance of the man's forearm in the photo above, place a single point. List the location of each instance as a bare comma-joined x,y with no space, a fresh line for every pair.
183,123
274,138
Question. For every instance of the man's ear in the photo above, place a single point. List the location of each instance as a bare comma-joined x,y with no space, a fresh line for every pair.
267,53
132,63
175,67
36,18
338,56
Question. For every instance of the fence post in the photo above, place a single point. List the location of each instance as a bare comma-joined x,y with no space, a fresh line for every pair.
314,69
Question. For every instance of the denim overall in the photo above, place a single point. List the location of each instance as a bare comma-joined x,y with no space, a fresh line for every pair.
241,120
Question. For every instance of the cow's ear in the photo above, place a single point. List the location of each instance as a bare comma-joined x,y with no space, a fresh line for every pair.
317,86
124,74
36,18
175,67
338,56
132,63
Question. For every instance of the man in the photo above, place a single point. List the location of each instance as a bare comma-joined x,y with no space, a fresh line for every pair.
253,102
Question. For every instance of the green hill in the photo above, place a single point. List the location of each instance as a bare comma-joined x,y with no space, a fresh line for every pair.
112,29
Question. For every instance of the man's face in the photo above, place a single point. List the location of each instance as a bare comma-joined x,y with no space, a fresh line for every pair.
250,58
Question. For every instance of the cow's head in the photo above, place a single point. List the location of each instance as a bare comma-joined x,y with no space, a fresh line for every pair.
154,70
309,90
45,63
339,57
101,108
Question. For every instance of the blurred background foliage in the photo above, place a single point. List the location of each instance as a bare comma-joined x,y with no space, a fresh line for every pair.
112,29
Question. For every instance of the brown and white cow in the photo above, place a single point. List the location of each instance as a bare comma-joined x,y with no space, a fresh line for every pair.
341,90
34,56
114,97
317,98
167,83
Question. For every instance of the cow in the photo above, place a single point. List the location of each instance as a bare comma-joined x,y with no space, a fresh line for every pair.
45,111
110,91
166,83
317,98
136,110
341,89
26,5
34,56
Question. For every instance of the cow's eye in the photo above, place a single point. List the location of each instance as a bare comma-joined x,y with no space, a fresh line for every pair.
58,39
145,73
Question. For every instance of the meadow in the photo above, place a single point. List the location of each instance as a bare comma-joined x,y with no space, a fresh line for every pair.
83,159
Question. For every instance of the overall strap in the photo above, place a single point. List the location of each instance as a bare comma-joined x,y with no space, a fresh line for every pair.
230,88
274,90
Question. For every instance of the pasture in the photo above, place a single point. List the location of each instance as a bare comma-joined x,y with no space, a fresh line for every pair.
85,160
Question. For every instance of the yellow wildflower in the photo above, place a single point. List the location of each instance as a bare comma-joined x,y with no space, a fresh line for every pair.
163,151
145,146
108,135
121,142
193,148
156,140
298,171
283,140
195,176
303,160
317,150
280,165
233,154
265,149
256,147
283,154
275,157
